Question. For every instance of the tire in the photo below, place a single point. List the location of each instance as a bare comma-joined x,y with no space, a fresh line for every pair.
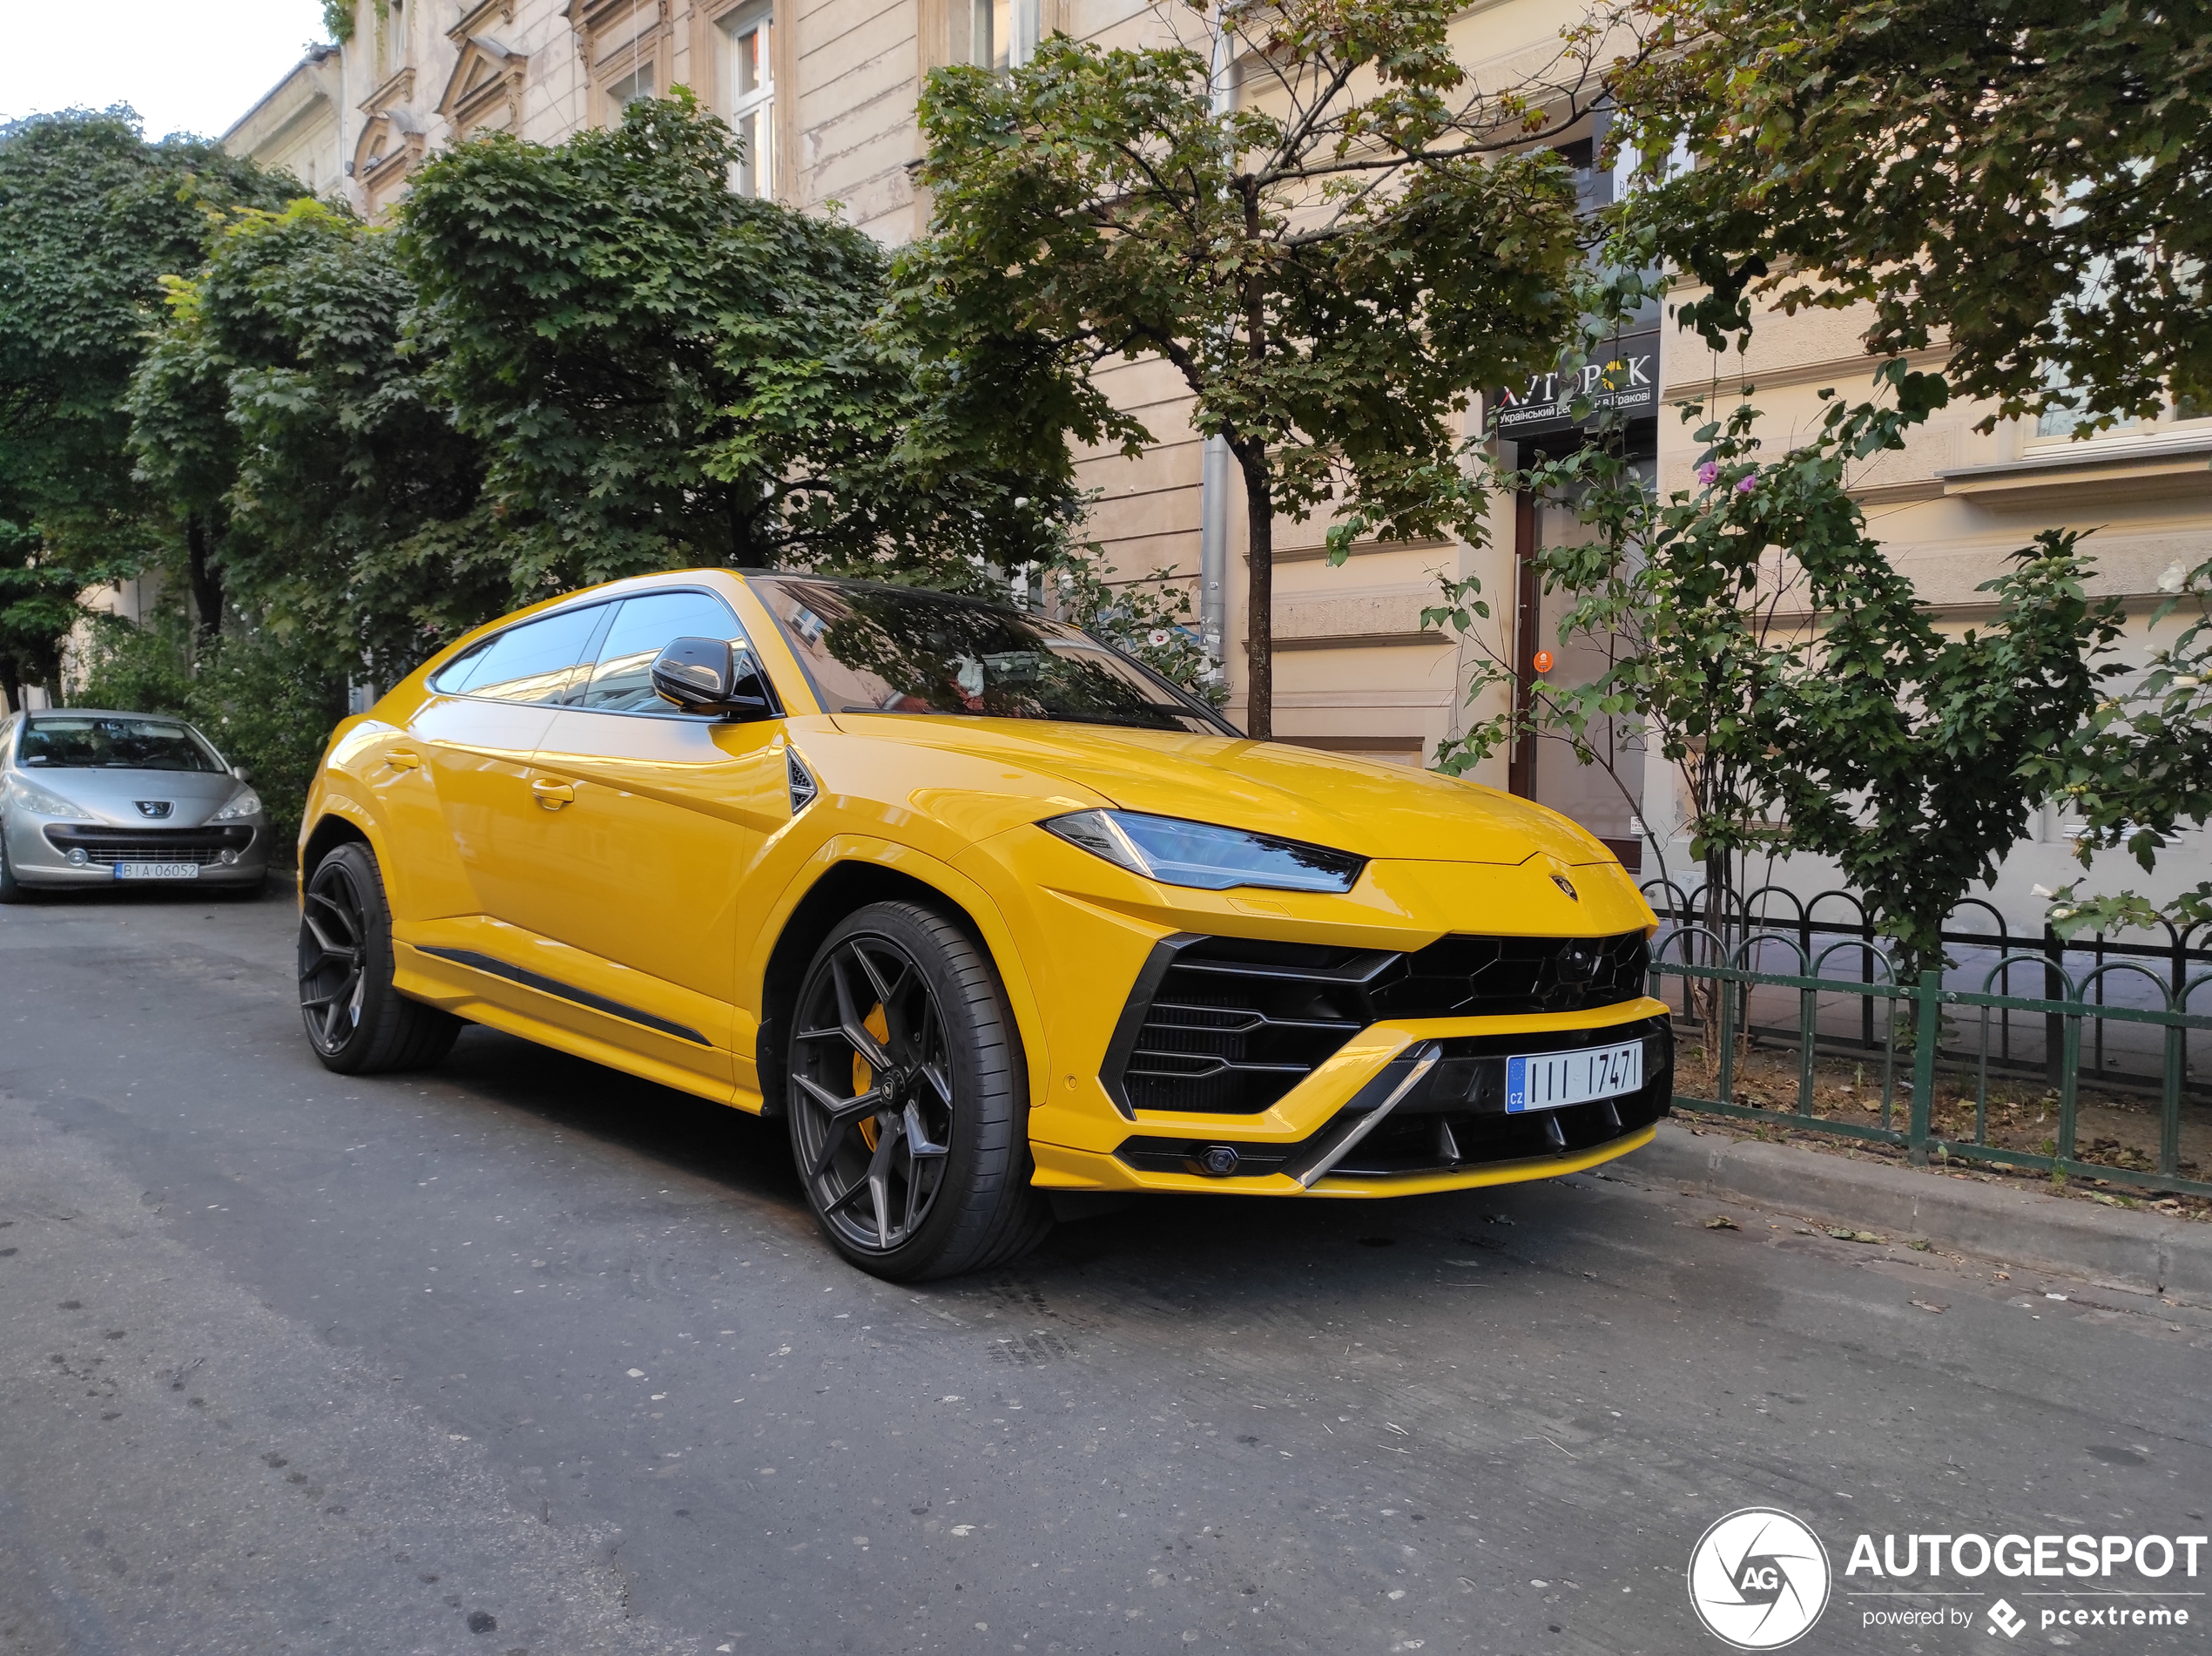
11,890
933,1180
358,1024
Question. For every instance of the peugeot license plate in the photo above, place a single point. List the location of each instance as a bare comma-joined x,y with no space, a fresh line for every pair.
157,871
1551,1080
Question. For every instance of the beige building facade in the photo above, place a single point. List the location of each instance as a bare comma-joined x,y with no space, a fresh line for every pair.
824,93
296,128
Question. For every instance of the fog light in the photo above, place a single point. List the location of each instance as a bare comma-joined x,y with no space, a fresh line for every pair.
228,858
1220,1160
77,857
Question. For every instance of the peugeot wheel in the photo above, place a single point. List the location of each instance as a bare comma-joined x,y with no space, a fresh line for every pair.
909,1100
357,1022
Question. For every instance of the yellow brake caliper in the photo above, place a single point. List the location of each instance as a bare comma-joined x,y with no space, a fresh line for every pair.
878,1023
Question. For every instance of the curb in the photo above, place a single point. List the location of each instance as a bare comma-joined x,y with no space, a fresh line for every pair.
2140,1252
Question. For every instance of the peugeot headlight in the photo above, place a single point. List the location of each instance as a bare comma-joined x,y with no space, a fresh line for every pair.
41,802
1178,853
244,802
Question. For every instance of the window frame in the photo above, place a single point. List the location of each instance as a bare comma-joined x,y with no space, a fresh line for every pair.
589,659
754,16
964,14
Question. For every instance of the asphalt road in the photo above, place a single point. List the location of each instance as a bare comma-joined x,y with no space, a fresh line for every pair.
523,1355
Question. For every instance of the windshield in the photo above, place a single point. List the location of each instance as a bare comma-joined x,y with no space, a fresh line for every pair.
109,741
875,649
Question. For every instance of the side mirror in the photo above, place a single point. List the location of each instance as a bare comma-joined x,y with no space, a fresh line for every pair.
711,676
241,773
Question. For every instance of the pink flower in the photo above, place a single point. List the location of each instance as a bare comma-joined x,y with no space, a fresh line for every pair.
1708,473
1747,482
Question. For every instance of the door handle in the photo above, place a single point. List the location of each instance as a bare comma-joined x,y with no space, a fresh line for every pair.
403,759
550,793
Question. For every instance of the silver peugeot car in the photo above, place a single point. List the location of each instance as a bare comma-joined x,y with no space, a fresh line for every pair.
89,797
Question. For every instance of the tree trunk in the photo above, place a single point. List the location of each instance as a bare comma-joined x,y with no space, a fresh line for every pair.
1259,608
43,666
206,579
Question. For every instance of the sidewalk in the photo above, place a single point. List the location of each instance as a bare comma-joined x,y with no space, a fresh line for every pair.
2142,1252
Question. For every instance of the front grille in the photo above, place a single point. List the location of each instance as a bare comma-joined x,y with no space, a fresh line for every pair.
1456,1120
106,845
1228,1026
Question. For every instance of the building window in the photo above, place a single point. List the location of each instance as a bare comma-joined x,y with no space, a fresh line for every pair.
636,85
2056,426
999,34
749,96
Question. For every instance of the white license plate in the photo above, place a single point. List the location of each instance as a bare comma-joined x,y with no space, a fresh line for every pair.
1551,1080
157,871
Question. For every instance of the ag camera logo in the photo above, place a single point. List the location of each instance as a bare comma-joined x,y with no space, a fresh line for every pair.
1758,1578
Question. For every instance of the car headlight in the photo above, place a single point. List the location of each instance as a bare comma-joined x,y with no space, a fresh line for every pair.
1178,853
38,801
244,802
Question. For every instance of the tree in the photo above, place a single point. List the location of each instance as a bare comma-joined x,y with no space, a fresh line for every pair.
664,372
1862,733
1332,268
276,402
91,217
2025,182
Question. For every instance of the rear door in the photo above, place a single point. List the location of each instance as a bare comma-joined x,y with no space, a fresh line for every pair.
646,824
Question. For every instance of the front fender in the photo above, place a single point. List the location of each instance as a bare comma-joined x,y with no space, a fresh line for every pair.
974,901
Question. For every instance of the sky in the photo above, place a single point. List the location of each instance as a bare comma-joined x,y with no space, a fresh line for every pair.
184,66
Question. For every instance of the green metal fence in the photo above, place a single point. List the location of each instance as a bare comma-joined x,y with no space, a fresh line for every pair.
1926,1030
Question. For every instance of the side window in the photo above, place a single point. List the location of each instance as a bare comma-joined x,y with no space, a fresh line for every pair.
622,679
533,662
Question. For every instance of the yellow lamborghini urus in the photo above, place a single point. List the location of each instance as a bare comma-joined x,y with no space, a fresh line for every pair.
982,908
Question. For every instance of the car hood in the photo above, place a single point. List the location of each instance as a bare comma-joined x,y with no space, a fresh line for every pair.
1356,805
192,796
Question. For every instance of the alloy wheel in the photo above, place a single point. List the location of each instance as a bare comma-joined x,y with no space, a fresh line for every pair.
334,956
872,1093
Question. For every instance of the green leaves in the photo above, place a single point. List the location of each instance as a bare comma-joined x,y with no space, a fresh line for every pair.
2025,181
91,219
1772,652
276,402
663,372
1331,270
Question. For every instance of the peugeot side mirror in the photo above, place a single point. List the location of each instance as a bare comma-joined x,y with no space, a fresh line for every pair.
711,676
241,773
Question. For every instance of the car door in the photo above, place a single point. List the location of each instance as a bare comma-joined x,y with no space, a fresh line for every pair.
454,785
644,824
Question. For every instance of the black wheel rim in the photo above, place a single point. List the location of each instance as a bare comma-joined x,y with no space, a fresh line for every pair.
333,956
871,1094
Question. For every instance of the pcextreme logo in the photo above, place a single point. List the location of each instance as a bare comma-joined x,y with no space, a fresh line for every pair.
1758,1578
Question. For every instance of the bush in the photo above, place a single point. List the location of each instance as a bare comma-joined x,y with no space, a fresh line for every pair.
266,706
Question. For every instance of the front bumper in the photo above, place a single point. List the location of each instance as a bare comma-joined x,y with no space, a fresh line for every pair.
1401,1110
40,852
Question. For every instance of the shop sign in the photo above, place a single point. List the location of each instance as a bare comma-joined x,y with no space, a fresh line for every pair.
1624,379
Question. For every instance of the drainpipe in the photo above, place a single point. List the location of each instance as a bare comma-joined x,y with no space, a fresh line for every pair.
1214,480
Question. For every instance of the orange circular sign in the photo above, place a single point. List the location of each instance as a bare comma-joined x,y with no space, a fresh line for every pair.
1543,662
